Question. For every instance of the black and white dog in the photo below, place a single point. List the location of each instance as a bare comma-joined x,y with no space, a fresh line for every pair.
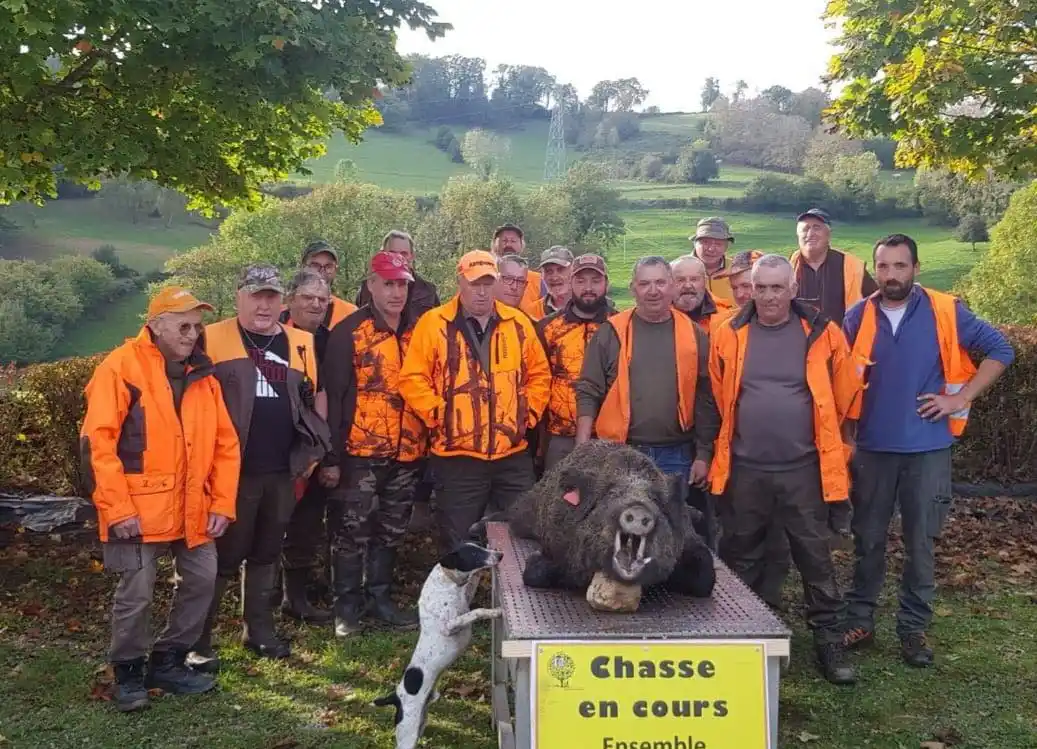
446,630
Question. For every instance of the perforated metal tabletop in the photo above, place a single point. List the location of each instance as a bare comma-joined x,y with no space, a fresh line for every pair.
733,612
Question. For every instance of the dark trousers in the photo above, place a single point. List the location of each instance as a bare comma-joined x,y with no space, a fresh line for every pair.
557,448
920,485
305,536
752,500
264,508
423,489
677,459
371,505
467,487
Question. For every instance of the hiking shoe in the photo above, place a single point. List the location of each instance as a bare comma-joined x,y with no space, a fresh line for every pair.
130,692
170,673
916,651
831,659
858,637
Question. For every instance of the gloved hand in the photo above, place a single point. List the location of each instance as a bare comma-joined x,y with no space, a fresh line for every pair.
306,393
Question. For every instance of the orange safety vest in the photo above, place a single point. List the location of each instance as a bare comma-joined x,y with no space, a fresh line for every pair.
829,374
958,368
613,420
339,310
853,275
532,293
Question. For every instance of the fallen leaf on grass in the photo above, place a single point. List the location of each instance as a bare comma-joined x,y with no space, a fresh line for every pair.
463,690
252,671
32,609
96,566
944,611
74,625
16,670
933,745
101,692
806,738
341,692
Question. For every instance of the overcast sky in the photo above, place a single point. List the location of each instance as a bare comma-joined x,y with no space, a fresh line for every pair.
669,45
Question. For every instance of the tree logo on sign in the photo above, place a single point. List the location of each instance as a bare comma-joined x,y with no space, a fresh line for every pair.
561,667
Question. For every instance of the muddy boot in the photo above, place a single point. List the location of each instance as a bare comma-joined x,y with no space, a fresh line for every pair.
295,604
831,661
348,586
381,563
130,692
169,672
202,656
260,636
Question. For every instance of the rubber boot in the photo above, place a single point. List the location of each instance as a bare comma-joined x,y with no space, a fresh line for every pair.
295,604
381,563
168,672
202,656
130,693
260,636
348,586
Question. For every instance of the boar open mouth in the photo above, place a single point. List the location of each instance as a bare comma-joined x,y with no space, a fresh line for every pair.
628,559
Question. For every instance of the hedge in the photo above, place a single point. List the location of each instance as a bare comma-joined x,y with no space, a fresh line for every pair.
41,410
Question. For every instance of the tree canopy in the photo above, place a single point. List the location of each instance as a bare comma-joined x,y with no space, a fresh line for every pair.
953,81
209,97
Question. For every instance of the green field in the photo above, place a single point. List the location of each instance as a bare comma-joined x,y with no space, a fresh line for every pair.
665,232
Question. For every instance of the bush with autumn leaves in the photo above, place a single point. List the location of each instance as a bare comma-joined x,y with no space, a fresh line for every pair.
41,409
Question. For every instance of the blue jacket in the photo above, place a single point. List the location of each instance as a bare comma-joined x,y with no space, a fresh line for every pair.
908,365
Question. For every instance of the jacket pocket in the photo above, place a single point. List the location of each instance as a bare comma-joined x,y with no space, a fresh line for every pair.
153,497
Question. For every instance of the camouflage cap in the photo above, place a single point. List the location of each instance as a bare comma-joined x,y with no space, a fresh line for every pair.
256,278
556,255
712,228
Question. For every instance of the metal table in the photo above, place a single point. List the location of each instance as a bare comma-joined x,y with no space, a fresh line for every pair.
732,613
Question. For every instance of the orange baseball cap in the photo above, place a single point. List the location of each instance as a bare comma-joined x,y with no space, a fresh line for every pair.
477,264
175,299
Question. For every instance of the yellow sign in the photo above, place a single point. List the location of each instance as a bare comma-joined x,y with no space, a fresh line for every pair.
660,694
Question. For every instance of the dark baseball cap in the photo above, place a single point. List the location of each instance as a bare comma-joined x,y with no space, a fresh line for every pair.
256,278
315,248
594,262
508,227
818,213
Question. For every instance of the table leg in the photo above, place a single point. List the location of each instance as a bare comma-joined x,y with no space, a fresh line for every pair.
773,681
522,716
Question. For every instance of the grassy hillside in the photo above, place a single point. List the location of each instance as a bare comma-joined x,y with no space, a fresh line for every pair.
665,232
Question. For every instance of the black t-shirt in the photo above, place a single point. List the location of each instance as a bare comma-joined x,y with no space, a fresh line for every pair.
822,289
271,431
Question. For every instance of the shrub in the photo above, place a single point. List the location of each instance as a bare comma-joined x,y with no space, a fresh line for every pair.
41,412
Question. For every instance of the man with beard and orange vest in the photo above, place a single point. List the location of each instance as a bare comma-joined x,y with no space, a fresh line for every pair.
379,446
478,377
322,258
920,383
645,382
828,279
160,461
784,380
565,335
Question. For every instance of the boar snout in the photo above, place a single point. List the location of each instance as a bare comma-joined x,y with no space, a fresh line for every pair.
637,521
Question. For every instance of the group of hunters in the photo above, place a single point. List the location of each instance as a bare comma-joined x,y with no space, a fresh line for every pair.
785,390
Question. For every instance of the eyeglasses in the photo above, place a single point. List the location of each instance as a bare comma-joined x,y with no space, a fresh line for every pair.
322,267
185,328
512,280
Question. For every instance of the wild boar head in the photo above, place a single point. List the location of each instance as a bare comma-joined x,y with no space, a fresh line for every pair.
630,517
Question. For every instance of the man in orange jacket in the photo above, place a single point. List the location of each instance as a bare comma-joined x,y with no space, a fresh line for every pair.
477,376
161,460
783,381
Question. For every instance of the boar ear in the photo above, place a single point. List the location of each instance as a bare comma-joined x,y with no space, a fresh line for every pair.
577,484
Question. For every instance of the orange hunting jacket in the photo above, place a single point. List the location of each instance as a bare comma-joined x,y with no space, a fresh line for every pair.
139,458
832,378
470,410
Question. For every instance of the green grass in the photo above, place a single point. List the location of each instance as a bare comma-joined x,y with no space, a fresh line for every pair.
53,635
116,322
665,232
81,226
731,183
411,163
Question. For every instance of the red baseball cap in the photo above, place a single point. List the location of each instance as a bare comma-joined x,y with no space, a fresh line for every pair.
391,266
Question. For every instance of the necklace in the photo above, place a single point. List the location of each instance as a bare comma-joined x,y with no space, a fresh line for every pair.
253,344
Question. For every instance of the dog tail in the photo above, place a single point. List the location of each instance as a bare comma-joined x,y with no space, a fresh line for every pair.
391,699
